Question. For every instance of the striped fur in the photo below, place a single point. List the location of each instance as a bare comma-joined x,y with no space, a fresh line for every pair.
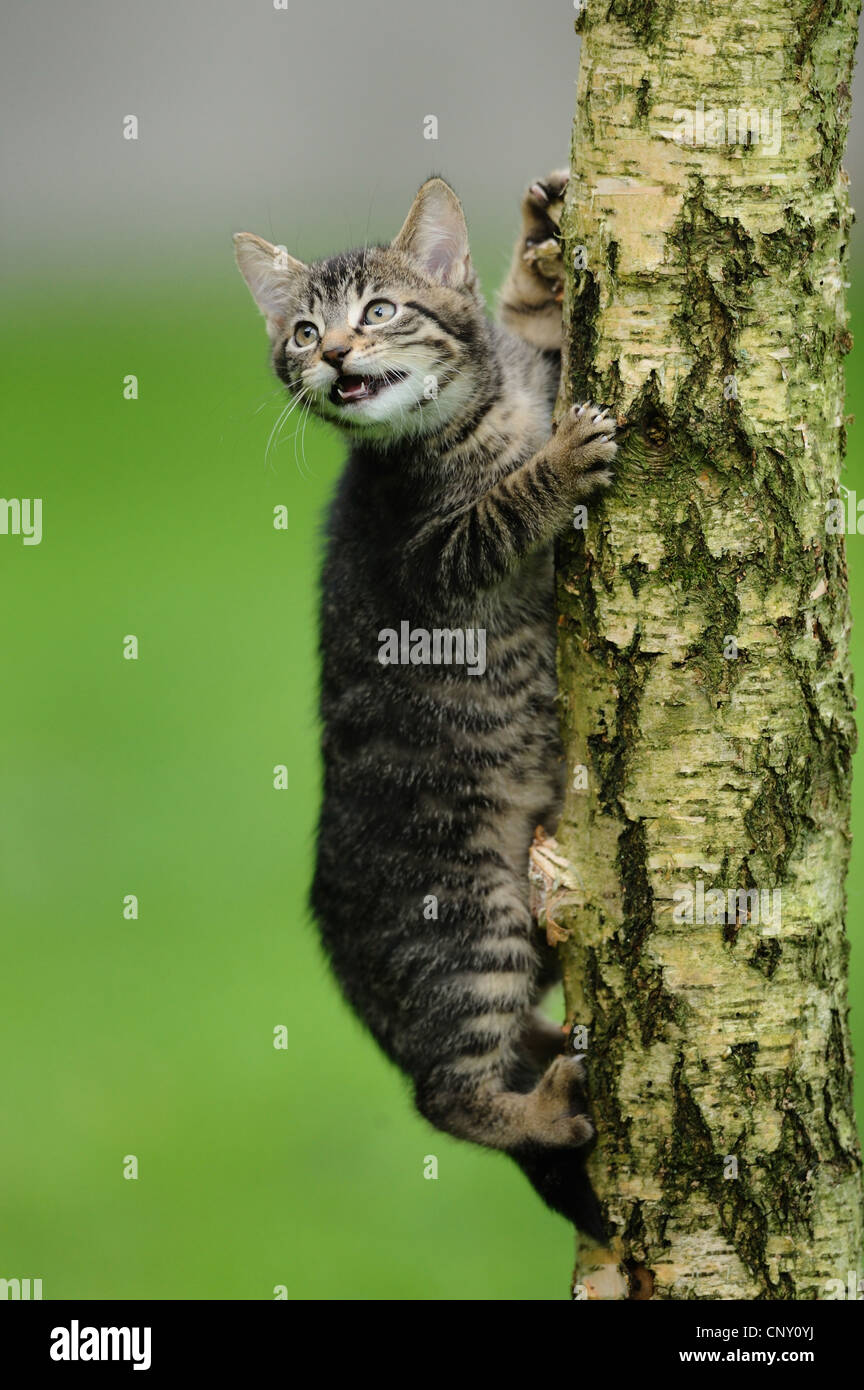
434,779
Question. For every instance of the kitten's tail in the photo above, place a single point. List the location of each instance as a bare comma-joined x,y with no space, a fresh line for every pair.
559,1177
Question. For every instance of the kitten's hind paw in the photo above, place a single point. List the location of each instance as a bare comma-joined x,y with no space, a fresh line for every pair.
559,1099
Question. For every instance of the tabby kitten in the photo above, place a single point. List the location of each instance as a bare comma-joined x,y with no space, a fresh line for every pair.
436,772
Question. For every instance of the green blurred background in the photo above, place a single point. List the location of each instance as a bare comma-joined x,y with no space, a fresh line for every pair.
257,1167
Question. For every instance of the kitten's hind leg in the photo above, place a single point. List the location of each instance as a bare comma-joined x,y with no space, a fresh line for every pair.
530,301
544,1130
542,1039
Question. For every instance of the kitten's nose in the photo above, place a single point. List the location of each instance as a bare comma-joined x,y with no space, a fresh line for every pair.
336,355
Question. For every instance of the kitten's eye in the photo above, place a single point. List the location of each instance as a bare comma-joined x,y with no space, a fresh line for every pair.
379,311
305,335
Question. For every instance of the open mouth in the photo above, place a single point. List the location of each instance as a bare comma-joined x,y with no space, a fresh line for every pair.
346,389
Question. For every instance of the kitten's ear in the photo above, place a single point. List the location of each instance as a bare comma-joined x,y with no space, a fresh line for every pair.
434,233
269,272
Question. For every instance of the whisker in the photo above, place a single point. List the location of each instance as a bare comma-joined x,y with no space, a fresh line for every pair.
284,414
304,470
267,399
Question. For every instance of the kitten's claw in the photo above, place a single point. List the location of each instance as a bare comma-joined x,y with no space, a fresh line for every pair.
549,189
587,434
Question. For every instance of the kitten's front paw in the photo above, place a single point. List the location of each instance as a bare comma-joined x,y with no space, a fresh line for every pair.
585,438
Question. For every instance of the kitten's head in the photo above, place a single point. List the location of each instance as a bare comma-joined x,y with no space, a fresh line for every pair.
386,341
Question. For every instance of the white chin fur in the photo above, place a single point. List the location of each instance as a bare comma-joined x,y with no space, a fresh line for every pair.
397,408
388,404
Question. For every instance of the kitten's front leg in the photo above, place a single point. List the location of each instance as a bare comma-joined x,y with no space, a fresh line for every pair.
462,553
530,301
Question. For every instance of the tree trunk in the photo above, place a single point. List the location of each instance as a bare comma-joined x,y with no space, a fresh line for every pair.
705,686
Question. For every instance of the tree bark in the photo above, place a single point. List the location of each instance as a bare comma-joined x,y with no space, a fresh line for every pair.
705,687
